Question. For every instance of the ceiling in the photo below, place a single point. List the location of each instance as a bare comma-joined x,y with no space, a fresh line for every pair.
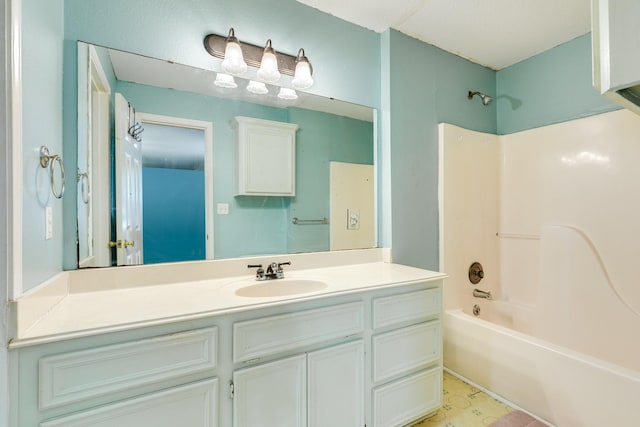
493,33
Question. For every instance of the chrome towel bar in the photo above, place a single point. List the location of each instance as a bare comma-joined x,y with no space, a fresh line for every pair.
297,221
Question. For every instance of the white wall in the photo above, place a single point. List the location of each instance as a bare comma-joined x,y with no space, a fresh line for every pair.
470,203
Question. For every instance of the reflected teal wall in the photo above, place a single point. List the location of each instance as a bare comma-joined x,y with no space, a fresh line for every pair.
261,225
322,138
427,86
554,86
243,231
173,215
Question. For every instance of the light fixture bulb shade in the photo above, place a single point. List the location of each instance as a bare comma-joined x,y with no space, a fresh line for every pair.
287,93
225,80
268,71
233,62
302,76
258,88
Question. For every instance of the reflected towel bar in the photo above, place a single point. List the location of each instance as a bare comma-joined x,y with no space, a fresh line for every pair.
297,221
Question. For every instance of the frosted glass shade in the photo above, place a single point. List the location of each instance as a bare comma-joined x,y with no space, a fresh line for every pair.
287,93
233,62
258,88
268,71
225,80
302,77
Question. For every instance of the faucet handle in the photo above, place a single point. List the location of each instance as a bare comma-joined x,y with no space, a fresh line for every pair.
259,272
279,271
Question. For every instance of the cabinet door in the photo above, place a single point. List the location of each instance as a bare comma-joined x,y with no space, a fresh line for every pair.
273,394
336,386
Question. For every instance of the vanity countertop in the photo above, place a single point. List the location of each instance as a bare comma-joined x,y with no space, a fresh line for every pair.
82,312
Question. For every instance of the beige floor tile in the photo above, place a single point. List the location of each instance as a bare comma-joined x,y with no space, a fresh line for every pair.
465,406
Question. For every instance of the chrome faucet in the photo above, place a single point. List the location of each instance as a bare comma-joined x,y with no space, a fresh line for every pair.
274,271
482,294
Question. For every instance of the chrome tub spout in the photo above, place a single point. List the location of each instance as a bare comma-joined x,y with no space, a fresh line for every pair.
481,294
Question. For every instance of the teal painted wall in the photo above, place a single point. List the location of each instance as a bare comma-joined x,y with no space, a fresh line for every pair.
42,59
175,29
551,87
427,86
322,138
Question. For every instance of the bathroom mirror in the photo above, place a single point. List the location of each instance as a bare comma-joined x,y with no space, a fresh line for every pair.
185,199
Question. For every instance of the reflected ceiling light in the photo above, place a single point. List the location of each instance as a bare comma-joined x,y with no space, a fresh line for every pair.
233,62
258,88
302,77
287,93
486,99
268,71
225,80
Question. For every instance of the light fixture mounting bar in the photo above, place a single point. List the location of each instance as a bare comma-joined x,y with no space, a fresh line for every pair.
215,45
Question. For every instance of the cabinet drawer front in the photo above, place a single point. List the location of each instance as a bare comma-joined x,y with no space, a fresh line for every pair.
412,306
194,405
262,337
403,350
81,375
407,399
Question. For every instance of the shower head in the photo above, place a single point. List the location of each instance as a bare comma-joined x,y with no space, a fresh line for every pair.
486,99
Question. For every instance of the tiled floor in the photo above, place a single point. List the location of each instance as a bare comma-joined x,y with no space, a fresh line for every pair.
465,406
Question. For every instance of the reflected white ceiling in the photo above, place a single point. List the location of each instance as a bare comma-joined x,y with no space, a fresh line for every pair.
494,33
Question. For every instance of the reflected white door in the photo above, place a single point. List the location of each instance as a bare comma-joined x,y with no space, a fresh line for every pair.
128,157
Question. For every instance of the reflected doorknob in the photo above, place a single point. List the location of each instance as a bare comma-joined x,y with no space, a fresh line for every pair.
122,244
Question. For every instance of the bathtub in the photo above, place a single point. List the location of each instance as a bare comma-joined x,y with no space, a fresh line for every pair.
559,385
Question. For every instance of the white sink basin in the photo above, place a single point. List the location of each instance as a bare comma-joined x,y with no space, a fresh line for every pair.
280,287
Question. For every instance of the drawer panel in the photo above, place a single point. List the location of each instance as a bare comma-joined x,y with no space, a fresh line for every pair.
406,349
194,405
81,375
276,334
406,400
412,306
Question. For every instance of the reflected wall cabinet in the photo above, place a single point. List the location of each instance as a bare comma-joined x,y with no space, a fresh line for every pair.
264,157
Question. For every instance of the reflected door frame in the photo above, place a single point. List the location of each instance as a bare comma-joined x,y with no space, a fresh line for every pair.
207,128
97,185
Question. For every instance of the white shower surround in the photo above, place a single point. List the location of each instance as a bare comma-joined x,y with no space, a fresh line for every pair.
552,214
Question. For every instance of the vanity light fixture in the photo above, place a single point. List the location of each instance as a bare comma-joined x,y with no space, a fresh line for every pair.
233,62
258,88
268,71
302,77
225,80
287,94
259,57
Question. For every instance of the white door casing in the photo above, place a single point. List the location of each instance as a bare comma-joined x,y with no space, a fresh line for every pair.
128,157
207,128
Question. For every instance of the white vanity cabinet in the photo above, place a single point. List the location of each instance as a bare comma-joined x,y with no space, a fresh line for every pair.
264,157
407,357
319,388
323,388
370,357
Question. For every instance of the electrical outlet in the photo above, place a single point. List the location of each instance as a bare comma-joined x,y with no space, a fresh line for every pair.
222,208
353,219
48,223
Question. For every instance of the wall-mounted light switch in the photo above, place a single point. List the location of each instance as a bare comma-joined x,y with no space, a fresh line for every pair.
48,223
353,219
222,208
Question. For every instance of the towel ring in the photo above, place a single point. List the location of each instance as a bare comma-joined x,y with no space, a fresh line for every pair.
50,161
83,178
